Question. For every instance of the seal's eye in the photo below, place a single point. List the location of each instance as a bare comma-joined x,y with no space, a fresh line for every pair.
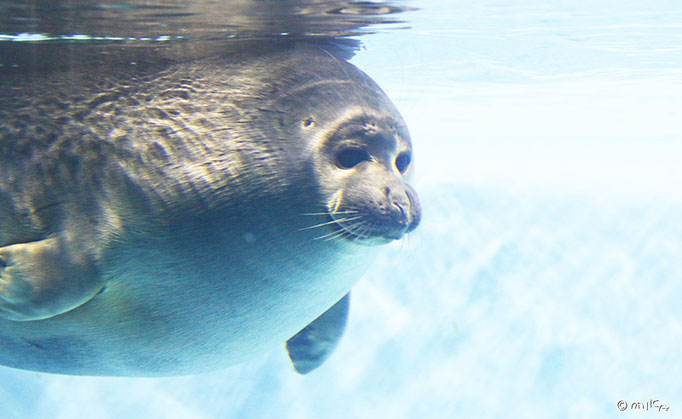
348,158
402,161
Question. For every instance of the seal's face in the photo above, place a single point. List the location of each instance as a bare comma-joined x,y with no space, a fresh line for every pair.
366,160
341,121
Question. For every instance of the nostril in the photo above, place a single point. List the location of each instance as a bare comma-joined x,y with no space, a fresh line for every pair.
409,198
387,191
403,214
400,208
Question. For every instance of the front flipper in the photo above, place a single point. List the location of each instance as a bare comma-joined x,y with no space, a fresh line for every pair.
44,278
310,347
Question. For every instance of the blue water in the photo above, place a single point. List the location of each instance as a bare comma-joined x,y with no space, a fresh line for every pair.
545,278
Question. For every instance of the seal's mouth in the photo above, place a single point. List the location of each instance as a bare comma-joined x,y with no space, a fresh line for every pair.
369,220
364,230
350,227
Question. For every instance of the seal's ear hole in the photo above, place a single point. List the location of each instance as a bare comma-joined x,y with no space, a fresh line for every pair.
308,122
348,158
402,162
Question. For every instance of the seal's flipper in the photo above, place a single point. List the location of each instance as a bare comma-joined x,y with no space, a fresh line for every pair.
310,347
41,279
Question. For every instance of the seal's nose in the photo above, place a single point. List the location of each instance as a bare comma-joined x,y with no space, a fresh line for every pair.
400,205
404,212
403,215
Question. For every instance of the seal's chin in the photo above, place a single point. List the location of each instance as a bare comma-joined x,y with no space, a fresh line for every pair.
363,232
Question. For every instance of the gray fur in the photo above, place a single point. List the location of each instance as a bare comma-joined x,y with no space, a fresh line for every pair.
155,220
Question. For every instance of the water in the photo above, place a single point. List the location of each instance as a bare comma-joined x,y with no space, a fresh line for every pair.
544,279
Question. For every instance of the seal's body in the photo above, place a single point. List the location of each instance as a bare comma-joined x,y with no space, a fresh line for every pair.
175,219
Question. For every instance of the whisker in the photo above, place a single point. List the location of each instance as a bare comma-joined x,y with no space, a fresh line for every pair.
333,234
360,230
335,213
342,234
405,242
364,233
353,227
330,222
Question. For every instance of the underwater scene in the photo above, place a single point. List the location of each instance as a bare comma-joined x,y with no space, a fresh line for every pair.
498,181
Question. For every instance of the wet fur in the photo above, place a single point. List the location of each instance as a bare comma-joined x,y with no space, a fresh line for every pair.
186,184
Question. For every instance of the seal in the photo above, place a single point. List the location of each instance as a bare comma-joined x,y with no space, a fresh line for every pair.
174,218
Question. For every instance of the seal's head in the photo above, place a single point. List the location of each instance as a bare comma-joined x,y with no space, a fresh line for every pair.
365,160
360,149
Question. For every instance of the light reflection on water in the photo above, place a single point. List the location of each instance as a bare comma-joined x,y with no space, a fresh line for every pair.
42,35
199,20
